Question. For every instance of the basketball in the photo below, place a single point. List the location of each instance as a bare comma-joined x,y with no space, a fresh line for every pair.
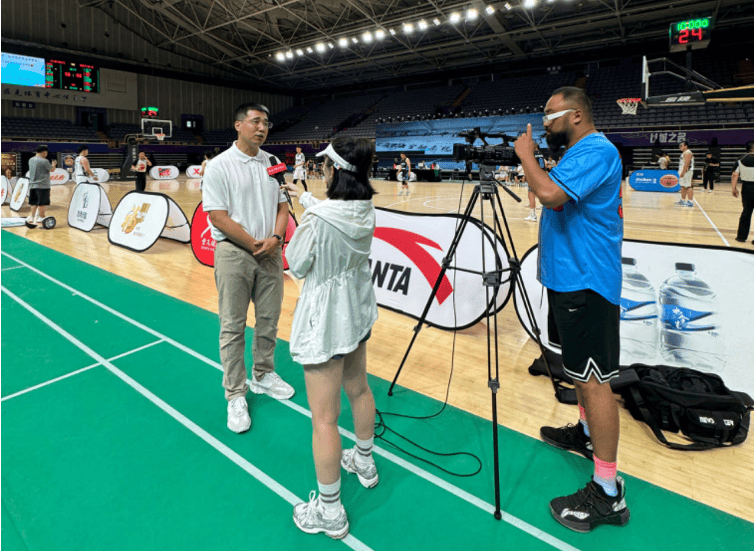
669,180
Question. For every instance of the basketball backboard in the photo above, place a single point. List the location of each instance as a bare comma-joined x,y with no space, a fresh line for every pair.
151,127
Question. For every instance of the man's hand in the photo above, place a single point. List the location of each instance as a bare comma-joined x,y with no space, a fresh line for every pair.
525,146
291,188
267,248
734,192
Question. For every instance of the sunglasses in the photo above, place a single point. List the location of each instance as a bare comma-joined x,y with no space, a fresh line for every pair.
554,116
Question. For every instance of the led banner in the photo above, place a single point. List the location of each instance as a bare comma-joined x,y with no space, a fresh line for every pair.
20,192
194,171
89,206
203,245
142,217
655,180
678,307
406,255
163,173
6,189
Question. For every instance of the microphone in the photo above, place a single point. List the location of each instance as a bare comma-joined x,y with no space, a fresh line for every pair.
276,170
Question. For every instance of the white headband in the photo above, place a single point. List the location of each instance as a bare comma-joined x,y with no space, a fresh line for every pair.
338,161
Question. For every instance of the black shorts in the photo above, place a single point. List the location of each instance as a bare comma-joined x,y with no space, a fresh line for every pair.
39,197
586,325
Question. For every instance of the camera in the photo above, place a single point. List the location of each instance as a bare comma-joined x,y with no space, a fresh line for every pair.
491,155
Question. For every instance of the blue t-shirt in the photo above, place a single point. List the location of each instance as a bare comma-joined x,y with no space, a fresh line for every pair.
580,241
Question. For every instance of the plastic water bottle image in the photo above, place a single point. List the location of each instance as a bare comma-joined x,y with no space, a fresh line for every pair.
639,314
690,332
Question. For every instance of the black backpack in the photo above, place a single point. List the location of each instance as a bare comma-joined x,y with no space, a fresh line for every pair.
697,404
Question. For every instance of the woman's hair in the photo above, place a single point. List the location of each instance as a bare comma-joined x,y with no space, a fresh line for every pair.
209,154
348,185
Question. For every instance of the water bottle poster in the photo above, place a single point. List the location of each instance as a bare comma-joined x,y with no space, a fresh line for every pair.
686,306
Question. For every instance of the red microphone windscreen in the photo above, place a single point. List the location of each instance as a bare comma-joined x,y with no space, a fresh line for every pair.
275,169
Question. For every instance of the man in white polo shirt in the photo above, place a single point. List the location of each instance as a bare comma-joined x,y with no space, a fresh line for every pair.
249,215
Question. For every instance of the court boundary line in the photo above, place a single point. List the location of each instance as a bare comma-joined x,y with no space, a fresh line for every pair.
82,370
712,224
12,268
225,450
439,482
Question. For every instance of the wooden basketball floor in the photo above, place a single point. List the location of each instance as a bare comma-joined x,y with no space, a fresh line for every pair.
525,403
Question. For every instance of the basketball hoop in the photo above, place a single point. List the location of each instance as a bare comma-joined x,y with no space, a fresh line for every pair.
160,136
628,105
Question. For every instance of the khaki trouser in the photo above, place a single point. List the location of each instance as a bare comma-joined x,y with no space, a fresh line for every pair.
241,278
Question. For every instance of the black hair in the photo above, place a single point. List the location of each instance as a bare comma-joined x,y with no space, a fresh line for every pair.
748,146
685,142
243,109
209,153
42,147
348,185
83,147
577,97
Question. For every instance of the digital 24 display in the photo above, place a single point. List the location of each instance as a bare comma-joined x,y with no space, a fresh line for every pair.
691,33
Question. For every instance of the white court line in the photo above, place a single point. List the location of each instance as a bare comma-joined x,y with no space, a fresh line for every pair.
12,268
272,484
72,373
712,224
466,496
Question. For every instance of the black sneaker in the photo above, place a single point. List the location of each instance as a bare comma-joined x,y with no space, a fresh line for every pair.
571,437
590,507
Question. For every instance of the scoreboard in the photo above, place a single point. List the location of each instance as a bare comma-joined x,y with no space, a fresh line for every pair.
690,34
71,75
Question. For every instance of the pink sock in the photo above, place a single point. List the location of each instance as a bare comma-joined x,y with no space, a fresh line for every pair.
605,475
583,421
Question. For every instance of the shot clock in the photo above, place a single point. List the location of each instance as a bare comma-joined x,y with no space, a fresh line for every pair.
690,34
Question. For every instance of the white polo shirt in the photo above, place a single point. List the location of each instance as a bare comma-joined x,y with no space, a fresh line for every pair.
239,184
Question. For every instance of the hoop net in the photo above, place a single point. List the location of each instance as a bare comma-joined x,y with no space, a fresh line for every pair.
628,105
160,137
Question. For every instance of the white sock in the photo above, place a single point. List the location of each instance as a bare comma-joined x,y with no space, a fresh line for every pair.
363,457
330,498
532,213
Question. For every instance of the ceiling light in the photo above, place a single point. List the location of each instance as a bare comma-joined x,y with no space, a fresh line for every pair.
507,6
455,17
436,21
380,34
367,37
309,50
343,42
471,14
393,33
330,45
289,54
422,25
354,40
408,28
529,4
489,10
280,56
320,47
299,52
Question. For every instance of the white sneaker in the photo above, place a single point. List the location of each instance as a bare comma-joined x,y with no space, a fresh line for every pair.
710,191
238,415
272,385
681,202
690,204
39,220
30,220
309,518
368,476
531,218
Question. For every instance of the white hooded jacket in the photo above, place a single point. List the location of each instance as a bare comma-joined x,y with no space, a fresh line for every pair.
337,306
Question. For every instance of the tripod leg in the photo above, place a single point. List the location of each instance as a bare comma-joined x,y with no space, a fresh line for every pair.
444,266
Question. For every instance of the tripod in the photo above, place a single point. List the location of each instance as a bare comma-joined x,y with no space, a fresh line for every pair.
486,191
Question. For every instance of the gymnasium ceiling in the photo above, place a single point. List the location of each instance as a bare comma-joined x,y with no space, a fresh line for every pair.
245,37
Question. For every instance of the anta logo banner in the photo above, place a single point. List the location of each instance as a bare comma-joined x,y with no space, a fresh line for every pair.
59,176
194,171
407,252
164,173
138,220
677,307
89,206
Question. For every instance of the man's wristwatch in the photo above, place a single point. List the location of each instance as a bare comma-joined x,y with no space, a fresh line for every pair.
280,239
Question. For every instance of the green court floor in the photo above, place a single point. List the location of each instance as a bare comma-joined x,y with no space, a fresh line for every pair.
114,438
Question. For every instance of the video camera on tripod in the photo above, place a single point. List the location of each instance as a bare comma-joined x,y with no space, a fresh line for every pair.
489,156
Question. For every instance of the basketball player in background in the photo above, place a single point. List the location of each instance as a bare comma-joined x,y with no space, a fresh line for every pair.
404,174
209,154
39,185
141,166
300,174
686,167
82,170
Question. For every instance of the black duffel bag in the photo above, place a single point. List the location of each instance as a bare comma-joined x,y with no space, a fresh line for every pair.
679,399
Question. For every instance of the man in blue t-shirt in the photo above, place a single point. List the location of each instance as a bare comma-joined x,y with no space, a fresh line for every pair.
579,262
